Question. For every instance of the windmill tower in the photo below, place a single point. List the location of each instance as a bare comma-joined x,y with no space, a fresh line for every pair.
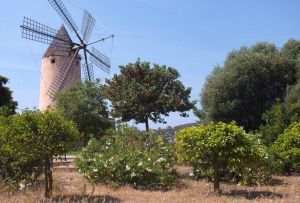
61,65
52,61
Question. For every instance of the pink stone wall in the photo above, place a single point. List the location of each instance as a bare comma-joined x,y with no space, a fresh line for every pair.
48,73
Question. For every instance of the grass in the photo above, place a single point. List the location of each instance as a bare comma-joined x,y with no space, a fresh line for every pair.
70,186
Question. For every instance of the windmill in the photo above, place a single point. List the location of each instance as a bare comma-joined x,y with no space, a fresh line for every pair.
61,63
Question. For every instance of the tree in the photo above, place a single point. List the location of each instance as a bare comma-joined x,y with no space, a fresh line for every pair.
85,105
287,147
142,93
276,120
220,149
248,85
7,105
56,137
30,140
281,115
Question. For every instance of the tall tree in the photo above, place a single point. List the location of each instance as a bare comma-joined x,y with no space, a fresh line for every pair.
248,85
142,92
7,105
85,105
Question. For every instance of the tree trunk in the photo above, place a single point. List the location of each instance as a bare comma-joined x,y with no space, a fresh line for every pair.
148,134
217,180
48,177
147,124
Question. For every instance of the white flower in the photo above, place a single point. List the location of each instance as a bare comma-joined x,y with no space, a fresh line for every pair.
21,186
132,174
191,174
127,168
161,159
149,159
95,170
148,169
140,163
110,159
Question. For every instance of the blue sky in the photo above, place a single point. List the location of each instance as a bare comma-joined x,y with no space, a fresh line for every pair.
192,36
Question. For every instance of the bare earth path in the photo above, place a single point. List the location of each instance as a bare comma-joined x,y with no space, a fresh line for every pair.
70,186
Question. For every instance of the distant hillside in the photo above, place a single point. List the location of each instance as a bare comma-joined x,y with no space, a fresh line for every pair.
169,132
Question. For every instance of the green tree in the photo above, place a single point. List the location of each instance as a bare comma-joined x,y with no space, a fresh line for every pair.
248,85
281,115
7,105
56,136
85,105
142,92
276,120
30,140
287,147
220,149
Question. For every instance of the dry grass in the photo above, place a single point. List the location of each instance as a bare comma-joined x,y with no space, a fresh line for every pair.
69,186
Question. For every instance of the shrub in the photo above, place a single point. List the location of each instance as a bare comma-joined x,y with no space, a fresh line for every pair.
222,152
287,148
123,159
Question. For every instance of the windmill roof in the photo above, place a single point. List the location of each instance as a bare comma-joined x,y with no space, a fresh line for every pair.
58,47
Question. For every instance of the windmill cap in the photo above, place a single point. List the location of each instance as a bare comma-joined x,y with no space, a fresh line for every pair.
58,47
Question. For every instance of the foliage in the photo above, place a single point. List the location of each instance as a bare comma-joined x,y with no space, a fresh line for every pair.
7,105
19,160
281,115
220,151
276,120
123,159
142,92
28,142
85,105
287,147
248,84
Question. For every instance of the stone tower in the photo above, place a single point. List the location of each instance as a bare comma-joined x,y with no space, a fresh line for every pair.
53,62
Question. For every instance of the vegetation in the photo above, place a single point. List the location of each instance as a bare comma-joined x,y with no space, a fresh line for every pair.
85,105
142,93
287,147
250,125
248,84
221,150
29,141
123,159
7,105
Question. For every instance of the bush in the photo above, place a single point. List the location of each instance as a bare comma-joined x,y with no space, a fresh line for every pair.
19,161
222,152
287,148
123,159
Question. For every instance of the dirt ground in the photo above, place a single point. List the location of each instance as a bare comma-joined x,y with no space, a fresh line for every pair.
70,186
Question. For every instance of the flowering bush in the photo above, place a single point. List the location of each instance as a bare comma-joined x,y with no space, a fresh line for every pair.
124,160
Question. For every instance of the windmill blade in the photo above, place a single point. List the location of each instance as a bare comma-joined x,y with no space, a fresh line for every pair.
62,77
99,59
38,32
88,71
62,11
87,26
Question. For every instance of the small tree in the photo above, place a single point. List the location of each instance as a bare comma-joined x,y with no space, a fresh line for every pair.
55,136
219,149
287,147
84,104
142,93
29,141
7,105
